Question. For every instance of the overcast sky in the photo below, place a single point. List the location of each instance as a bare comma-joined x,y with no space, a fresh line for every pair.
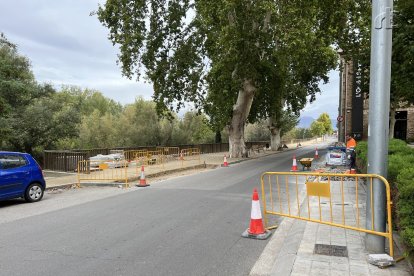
67,46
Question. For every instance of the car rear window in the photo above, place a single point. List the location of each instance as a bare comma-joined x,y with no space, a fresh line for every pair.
10,161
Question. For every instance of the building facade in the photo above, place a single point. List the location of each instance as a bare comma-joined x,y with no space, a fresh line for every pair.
353,108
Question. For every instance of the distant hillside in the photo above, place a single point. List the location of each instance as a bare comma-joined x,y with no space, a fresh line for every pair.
305,122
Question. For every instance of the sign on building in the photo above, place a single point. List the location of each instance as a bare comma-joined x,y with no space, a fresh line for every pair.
357,102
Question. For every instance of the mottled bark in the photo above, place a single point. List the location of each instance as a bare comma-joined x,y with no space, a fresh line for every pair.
275,138
240,112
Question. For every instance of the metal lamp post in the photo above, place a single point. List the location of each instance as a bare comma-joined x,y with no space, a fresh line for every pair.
379,105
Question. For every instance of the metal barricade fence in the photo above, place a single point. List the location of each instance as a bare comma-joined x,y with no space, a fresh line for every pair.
170,153
133,154
102,171
154,157
330,199
190,154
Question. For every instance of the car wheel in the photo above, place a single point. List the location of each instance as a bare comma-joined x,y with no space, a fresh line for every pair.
34,192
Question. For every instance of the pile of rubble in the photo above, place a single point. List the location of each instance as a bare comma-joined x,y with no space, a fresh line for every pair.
322,168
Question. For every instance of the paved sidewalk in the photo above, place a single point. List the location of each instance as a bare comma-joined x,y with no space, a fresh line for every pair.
291,250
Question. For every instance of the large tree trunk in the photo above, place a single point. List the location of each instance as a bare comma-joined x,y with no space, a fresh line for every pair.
240,112
392,122
275,128
274,133
274,137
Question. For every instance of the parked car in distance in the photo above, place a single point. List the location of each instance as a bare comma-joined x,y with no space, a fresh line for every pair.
20,176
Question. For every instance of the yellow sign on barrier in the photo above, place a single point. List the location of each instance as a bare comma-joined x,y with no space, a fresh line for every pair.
322,189
324,198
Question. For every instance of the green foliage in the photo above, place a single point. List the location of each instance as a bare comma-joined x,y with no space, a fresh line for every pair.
33,116
204,51
326,122
400,175
288,121
317,128
96,131
402,75
400,156
405,206
302,133
195,128
362,154
397,146
397,162
257,132
14,70
139,124
398,152
17,85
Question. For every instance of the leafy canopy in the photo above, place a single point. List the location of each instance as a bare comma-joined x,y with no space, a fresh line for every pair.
202,51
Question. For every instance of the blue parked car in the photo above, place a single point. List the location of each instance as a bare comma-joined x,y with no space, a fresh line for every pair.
20,176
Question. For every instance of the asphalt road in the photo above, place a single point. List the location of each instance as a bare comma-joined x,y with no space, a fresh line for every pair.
188,225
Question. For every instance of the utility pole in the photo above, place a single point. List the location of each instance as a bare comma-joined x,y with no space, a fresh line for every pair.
341,137
379,107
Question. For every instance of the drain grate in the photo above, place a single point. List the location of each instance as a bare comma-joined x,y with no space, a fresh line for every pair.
331,250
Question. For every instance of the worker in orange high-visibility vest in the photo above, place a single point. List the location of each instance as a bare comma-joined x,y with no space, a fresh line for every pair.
350,142
350,148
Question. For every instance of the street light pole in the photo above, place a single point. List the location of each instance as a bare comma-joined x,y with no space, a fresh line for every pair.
341,137
378,128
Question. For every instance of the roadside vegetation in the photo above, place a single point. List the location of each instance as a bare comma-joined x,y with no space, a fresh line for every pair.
35,117
400,177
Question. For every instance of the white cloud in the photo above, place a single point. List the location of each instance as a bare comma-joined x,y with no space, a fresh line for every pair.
327,101
67,46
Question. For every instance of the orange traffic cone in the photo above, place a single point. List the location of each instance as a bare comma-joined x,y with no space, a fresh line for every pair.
316,153
294,165
352,171
256,229
142,180
225,164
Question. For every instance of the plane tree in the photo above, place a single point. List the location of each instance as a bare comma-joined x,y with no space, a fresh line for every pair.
224,55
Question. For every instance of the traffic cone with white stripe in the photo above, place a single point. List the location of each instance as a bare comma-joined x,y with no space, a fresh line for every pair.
316,153
225,164
256,229
142,180
294,165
